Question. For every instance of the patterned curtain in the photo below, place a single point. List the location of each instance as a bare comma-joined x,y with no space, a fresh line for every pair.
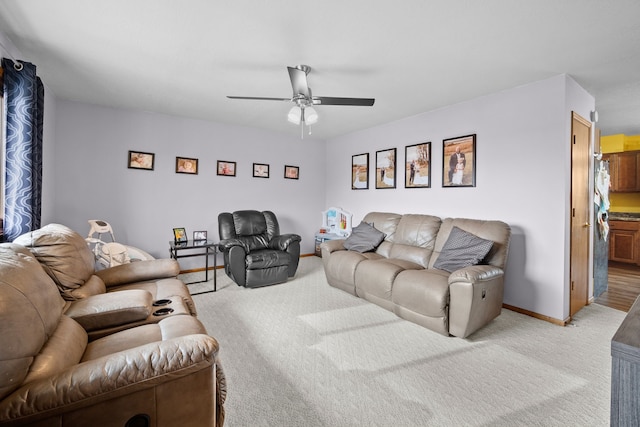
24,107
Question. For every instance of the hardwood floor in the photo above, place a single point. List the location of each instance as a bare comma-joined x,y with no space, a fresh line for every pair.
623,286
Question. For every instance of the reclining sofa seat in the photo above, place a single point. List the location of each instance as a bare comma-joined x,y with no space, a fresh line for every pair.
400,275
255,253
166,373
112,299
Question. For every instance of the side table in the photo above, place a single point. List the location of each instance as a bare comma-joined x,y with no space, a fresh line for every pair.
204,248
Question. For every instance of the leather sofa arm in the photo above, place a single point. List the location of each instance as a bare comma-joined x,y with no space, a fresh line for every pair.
475,298
111,376
475,274
225,245
139,271
283,241
332,246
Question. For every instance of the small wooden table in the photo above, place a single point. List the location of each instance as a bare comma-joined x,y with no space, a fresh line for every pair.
204,248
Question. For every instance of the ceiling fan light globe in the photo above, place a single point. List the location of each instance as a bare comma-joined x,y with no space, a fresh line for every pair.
310,116
295,113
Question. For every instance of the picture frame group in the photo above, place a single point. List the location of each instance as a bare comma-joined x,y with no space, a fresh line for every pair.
458,165
189,165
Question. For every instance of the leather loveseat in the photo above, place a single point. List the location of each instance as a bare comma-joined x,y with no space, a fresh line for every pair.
160,374
444,274
112,299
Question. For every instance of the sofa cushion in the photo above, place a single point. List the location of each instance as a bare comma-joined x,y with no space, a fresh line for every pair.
462,249
364,238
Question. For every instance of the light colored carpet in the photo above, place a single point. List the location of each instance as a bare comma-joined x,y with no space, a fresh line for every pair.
303,353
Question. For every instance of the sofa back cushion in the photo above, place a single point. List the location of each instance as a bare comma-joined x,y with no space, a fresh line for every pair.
64,255
496,231
30,311
414,238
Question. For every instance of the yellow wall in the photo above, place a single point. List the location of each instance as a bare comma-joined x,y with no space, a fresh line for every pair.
622,202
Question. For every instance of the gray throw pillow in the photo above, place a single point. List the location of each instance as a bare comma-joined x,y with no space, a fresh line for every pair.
462,249
364,238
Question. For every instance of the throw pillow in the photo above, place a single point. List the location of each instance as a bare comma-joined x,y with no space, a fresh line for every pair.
364,238
462,249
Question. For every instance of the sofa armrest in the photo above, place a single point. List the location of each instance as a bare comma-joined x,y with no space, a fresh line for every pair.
283,241
111,376
139,271
475,294
332,246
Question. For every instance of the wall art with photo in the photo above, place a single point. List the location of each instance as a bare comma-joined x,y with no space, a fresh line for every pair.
141,160
360,171
186,165
417,159
386,168
459,161
226,168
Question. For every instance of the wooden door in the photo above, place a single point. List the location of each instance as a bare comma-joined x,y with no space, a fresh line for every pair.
580,225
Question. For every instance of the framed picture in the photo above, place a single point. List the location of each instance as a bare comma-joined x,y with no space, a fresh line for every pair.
179,235
459,161
386,168
186,165
360,171
291,172
199,236
226,168
417,165
260,170
140,160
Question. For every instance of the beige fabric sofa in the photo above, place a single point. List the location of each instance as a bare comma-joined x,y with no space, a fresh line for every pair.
161,374
399,274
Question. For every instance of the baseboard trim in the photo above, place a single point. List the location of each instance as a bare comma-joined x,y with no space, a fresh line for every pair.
537,315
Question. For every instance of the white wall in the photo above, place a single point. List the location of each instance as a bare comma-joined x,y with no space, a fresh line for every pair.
93,181
523,178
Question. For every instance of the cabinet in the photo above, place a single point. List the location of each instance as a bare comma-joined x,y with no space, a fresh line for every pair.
625,171
624,237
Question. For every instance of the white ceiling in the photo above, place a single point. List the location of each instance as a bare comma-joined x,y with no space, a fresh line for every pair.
183,57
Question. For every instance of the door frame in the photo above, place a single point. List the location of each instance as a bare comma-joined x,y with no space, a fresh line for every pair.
587,210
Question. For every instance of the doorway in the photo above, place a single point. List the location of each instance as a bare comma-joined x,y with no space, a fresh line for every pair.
580,213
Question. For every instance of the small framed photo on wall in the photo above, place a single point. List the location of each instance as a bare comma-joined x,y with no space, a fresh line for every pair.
360,171
260,170
186,165
459,161
417,165
291,172
386,168
226,168
141,160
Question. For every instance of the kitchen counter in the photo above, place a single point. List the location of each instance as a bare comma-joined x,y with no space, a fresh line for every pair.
624,216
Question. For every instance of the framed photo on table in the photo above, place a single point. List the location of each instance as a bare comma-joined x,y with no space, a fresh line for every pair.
459,161
360,171
417,165
199,236
179,235
386,168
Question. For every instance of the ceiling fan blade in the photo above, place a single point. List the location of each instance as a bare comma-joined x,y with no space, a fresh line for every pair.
328,100
299,81
259,98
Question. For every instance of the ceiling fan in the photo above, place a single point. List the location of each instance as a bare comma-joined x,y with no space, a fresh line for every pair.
303,113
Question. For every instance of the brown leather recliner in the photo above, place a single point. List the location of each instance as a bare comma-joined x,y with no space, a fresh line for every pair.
136,292
162,374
